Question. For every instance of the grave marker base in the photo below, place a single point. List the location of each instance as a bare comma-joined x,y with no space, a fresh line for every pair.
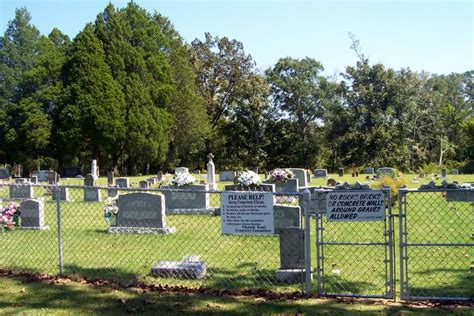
36,228
180,269
192,211
141,230
291,275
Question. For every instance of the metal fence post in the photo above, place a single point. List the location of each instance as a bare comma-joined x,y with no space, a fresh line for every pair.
401,231
306,197
319,266
60,239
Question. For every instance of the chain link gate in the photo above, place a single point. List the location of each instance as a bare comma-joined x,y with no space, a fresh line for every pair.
436,244
354,258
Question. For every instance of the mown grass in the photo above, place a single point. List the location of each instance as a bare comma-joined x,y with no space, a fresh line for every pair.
239,262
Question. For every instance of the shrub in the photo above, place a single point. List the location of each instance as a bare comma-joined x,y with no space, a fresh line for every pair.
394,184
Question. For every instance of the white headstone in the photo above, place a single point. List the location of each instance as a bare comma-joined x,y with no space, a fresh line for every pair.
94,169
211,170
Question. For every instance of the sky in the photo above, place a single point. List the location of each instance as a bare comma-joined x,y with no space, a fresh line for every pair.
431,35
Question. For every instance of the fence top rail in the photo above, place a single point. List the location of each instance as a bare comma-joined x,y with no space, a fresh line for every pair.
407,190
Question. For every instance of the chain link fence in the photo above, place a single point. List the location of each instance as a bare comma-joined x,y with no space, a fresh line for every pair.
180,245
437,244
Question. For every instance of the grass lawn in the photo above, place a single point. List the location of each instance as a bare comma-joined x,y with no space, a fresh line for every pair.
240,262
19,296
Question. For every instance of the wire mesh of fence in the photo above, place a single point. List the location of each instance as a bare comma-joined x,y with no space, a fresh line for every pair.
157,236
436,244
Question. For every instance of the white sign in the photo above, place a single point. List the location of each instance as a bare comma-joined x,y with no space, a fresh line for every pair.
362,206
247,213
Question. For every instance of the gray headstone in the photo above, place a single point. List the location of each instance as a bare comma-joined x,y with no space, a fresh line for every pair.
341,172
292,248
110,178
460,196
300,174
141,210
369,171
112,192
159,175
385,171
92,195
308,177
266,187
4,173
290,185
151,181
320,173
41,174
53,177
179,170
227,175
286,216
143,184
32,214
444,173
196,171
21,191
21,180
196,201
122,182
34,179
89,180
63,194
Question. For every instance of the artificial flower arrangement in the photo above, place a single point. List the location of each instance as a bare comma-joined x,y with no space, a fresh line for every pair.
166,180
248,178
183,179
281,175
111,210
9,216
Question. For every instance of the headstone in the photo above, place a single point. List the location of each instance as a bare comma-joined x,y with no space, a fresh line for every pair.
159,175
89,180
300,174
4,174
32,214
290,185
141,213
211,173
71,172
94,169
43,175
110,178
444,173
181,170
63,194
53,177
341,172
308,176
292,263
17,170
460,195
188,268
34,179
92,194
195,202
227,175
320,173
151,181
386,171
21,180
122,182
357,173
21,191
369,171
455,172
353,174
331,182
112,192
286,216
143,184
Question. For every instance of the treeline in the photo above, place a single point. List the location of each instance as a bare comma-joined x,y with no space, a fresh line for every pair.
130,92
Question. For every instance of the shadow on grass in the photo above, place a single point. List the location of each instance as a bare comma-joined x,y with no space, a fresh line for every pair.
18,296
115,274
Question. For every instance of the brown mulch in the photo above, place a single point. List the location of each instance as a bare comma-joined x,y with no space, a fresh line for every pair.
258,293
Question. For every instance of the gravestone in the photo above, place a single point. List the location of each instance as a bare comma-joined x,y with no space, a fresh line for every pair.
141,213
94,169
331,182
21,181
211,173
151,181
63,194
444,173
110,178
92,195
386,171
34,179
143,184
286,216
159,175
112,192
292,260
308,176
4,174
122,183
32,214
341,172
290,185
320,173
21,191
180,170
42,175
455,172
194,202
227,175
53,177
190,267
369,171
300,174
89,180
